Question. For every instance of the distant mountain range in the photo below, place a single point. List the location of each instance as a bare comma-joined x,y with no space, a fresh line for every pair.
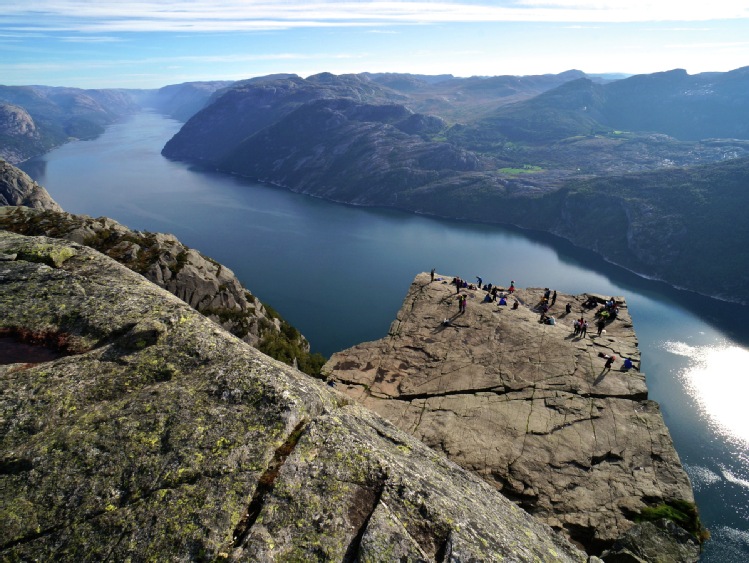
577,155
593,161
36,119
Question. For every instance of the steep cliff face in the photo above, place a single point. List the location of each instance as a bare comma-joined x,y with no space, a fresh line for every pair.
353,152
18,132
17,188
162,436
529,407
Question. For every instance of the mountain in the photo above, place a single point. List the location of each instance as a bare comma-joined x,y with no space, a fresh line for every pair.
686,107
182,101
352,139
468,99
35,119
246,109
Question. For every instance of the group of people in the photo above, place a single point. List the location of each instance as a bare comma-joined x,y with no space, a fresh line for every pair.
462,284
608,312
581,327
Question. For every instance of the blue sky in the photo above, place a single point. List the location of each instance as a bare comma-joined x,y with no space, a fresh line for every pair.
148,44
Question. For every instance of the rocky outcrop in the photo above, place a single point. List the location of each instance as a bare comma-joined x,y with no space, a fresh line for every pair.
529,407
204,284
17,188
162,436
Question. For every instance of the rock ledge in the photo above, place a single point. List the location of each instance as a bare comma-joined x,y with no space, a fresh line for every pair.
527,406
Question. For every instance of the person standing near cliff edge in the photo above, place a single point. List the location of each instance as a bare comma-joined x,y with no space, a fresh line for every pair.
432,274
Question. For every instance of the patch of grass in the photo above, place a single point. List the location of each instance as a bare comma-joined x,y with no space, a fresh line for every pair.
681,512
526,169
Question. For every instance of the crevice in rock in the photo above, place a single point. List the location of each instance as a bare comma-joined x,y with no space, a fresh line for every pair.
635,397
444,552
22,346
265,484
359,515
558,427
609,457
423,396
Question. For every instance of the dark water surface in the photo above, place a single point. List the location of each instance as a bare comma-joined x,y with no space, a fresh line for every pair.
339,274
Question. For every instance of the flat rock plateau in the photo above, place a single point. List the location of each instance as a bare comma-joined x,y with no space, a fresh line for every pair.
527,406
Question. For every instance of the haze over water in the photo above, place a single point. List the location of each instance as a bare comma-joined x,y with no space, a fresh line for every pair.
339,274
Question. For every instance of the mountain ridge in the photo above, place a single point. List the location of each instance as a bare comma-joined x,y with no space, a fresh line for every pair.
505,168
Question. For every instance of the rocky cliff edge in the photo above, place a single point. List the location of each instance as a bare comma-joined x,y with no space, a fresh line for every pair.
162,436
530,407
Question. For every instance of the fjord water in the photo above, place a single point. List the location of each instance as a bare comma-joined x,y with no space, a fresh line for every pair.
339,274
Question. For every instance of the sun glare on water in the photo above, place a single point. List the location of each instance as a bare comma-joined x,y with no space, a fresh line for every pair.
718,380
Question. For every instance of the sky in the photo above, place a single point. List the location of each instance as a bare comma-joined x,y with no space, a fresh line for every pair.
149,44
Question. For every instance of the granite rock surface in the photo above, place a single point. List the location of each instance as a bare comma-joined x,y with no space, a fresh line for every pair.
530,407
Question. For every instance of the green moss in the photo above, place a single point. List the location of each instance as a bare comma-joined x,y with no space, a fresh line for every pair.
681,512
47,254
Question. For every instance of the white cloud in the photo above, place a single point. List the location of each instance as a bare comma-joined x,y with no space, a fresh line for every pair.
91,39
249,15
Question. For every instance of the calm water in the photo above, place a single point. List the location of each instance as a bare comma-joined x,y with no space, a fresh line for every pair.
340,273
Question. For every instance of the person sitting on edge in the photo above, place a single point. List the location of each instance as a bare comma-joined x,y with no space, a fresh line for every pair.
515,304
502,300
568,308
627,364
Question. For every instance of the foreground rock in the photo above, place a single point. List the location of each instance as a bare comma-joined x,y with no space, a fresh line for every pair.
204,284
164,437
527,406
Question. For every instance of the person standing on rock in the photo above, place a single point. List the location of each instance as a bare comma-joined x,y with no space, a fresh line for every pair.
609,362
554,297
479,280
583,329
432,274
600,325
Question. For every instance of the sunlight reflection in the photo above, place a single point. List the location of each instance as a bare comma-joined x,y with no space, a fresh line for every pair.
718,379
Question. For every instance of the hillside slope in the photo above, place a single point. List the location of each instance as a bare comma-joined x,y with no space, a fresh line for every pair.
350,139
